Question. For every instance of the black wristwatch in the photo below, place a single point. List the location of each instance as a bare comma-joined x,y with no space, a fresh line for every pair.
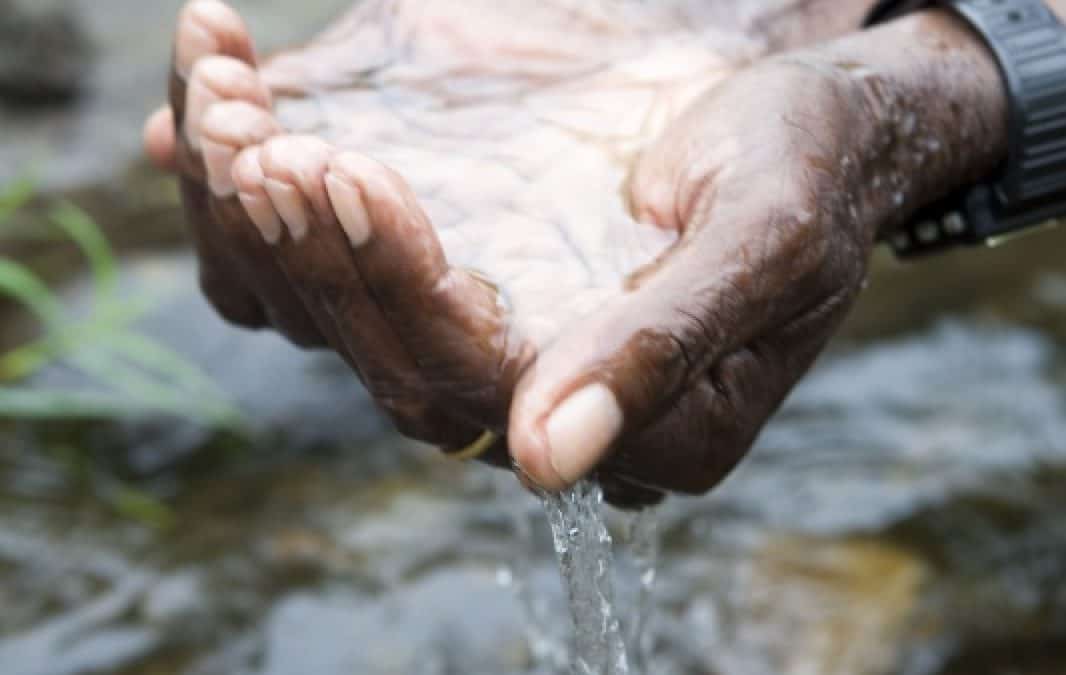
1029,190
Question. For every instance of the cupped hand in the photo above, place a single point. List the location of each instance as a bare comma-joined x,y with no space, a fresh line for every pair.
780,179
432,190
673,380
487,232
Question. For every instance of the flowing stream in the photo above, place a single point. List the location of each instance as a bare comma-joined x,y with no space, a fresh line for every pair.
901,515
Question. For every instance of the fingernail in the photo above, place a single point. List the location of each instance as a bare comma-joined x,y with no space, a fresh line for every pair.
200,97
350,210
218,158
261,211
194,42
290,204
580,430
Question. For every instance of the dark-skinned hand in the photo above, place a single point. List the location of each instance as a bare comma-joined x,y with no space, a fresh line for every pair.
771,177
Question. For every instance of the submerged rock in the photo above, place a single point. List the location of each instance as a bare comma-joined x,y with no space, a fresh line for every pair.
45,52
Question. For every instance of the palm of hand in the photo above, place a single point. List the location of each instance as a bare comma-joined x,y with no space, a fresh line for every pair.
516,133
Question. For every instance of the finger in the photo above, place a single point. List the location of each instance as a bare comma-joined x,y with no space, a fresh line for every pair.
218,78
227,128
449,320
208,28
205,28
229,124
159,140
274,204
613,374
317,259
252,262
218,279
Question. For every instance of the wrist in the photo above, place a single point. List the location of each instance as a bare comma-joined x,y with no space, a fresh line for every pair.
935,107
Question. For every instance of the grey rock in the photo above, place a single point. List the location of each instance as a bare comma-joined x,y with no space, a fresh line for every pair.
86,639
45,53
94,141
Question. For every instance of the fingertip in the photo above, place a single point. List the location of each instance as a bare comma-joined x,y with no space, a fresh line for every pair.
159,138
581,429
351,211
558,448
532,456
210,27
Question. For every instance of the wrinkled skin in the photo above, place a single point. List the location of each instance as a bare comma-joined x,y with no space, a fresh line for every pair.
649,218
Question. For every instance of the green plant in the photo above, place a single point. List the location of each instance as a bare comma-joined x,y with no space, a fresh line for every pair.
130,374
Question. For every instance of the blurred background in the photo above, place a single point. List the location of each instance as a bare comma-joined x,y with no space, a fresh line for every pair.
177,496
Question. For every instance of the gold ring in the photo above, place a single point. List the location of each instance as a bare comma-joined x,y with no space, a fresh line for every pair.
475,449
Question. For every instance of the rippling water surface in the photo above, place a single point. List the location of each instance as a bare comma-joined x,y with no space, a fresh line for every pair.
903,514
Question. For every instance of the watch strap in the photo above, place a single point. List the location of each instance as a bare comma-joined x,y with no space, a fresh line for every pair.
1029,43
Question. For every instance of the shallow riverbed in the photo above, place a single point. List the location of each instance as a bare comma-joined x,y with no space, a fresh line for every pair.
903,513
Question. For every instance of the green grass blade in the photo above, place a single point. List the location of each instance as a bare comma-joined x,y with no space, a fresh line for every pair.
35,403
21,284
25,360
149,394
140,506
131,375
14,196
156,357
90,239
43,404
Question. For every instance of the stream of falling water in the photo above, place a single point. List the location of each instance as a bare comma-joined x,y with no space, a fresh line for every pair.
644,545
583,547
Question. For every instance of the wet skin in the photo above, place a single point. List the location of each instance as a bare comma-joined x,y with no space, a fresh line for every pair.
614,233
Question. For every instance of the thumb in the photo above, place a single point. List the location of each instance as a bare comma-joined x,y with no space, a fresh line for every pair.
623,367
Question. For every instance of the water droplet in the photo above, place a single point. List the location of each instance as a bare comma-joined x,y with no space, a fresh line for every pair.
908,123
648,578
504,576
